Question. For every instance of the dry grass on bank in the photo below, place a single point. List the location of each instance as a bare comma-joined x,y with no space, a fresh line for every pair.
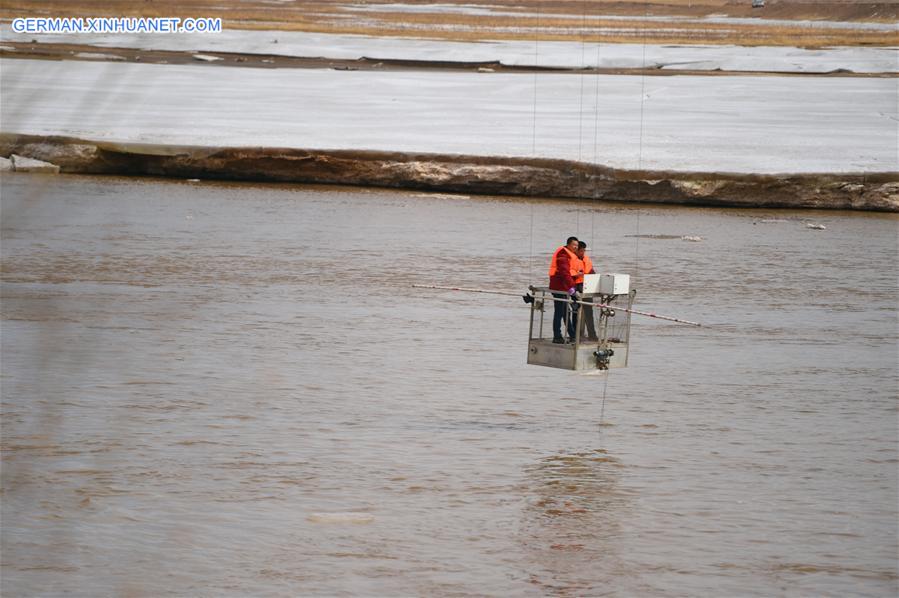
528,19
476,27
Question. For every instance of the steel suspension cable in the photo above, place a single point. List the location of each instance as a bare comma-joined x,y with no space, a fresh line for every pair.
580,111
602,409
595,141
640,145
534,139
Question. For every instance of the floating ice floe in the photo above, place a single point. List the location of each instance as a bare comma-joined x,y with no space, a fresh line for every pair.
565,54
23,164
98,56
206,58
441,196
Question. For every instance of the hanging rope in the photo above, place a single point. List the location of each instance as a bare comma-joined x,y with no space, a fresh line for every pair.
531,249
595,146
534,140
640,144
536,67
596,76
580,111
602,410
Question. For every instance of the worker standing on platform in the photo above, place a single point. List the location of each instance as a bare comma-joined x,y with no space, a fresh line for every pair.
563,267
586,315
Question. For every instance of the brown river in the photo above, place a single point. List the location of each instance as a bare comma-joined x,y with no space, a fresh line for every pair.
222,389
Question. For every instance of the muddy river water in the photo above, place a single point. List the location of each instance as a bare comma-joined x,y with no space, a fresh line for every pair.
216,389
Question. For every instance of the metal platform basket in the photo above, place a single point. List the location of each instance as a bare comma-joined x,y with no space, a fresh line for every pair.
602,333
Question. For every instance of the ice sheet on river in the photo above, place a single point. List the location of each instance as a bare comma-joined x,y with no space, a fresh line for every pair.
726,124
563,54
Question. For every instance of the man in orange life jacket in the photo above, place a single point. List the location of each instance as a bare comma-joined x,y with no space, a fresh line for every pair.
563,267
586,311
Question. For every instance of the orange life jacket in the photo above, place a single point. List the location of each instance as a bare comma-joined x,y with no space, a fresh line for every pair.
573,260
587,266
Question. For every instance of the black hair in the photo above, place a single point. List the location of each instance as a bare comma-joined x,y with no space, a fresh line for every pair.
581,245
570,239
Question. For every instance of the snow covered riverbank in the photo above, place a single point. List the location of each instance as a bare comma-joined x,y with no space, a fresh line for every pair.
761,125
560,54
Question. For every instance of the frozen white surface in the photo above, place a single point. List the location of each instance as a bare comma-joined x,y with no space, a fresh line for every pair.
25,164
99,56
525,53
485,10
732,124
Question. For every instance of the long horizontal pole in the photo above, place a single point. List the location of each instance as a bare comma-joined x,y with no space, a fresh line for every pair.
562,300
466,290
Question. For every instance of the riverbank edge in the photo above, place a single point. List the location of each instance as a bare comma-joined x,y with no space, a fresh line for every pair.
217,58
481,175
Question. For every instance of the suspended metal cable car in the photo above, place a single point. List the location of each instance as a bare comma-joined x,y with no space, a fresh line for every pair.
602,335
609,298
601,339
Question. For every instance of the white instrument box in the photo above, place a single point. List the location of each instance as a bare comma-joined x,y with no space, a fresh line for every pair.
607,284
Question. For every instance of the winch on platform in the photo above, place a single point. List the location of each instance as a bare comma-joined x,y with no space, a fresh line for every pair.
602,333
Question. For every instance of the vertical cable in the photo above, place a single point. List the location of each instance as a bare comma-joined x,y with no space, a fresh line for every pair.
531,254
640,146
595,142
580,111
534,141
602,410
605,387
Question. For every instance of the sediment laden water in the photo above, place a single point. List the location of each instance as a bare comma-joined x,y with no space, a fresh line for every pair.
231,389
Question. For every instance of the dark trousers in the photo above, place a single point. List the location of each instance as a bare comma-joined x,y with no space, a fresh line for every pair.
560,312
587,314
